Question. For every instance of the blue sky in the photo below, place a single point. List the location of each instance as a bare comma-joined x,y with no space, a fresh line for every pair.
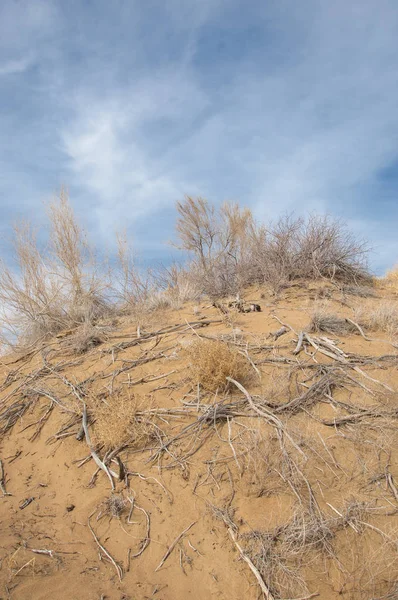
282,105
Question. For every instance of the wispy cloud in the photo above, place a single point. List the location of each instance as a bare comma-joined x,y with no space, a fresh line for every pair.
281,105
12,67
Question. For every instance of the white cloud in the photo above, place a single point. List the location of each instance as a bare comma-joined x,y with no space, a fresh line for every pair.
113,157
12,67
306,121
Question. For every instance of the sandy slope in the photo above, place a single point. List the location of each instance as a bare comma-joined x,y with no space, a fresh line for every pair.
193,482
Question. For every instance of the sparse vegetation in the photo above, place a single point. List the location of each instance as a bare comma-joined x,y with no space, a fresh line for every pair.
362,291
230,250
284,432
391,278
64,284
383,317
211,362
322,321
117,422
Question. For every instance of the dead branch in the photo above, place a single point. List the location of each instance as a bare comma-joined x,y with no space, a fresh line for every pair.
105,552
95,456
145,541
173,545
391,485
166,330
299,343
277,334
268,415
3,480
266,591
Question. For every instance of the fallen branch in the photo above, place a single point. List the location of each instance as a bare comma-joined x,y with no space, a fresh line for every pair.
145,541
391,485
93,453
118,568
173,545
268,415
2,480
266,591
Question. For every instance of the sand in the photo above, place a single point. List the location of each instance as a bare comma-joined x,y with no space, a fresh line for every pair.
228,474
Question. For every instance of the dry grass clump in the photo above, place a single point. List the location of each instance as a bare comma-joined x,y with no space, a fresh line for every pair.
329,323
117,422
383,317
86,338
175,286
113,506
362,291
267,467
213,361
280,554
391,278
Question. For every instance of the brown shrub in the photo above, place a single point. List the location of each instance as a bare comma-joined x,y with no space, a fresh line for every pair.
117,422
383,317
328,323
212,362
86,338
391,278
362,291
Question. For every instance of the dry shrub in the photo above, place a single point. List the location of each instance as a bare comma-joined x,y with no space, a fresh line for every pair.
213,361
391,278
140,291
175,286
281,553
361,291
117,422
73,259
31,296
267,467
46,291
328,323
370,563
219,241
230,250
113,506
383,317
86,338
133,287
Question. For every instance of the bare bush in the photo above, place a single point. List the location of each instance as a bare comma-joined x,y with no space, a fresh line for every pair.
176,285
279,554
85,282
275,250
328,323
220,243
212,362
362,291
86,338
328,249
133,287
32,297
231,251
48,291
